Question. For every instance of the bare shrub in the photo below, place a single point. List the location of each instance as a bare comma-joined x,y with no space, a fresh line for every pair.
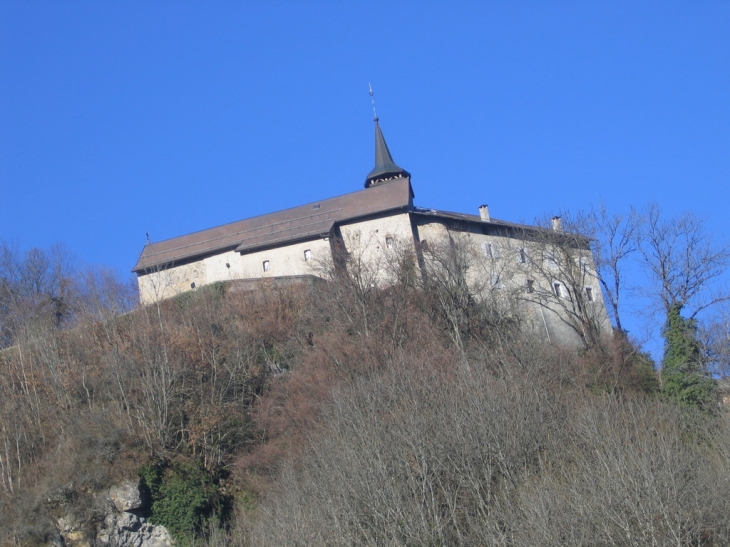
638,474
430,455
415,456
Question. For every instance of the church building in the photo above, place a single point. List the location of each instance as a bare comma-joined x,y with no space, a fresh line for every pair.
373,224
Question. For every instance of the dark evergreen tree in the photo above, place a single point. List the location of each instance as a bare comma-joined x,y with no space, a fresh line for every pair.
684,376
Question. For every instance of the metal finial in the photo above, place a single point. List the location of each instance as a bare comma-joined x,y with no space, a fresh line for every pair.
372,100
148,238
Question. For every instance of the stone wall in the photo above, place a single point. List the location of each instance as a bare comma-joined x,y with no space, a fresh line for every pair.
289,260
511,272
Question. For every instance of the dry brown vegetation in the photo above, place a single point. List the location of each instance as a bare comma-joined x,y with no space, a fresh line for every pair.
427,456
350,413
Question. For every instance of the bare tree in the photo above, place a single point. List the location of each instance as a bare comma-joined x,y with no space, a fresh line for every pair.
614,242
446,280
355,271
714,337
472,289
684,261
35,286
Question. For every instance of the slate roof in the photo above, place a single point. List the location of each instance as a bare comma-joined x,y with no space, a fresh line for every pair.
524,230
469,218
385,168
288,226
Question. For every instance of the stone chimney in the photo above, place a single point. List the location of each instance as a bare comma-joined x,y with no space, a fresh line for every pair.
484,213
557,224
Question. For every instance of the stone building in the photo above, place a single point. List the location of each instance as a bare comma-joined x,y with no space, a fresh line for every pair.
547,271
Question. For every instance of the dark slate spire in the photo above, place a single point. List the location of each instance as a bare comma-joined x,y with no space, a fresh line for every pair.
385,168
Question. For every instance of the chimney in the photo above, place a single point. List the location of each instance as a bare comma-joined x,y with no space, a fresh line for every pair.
557,224
484,213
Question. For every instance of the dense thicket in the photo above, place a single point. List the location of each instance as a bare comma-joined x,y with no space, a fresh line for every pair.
427,455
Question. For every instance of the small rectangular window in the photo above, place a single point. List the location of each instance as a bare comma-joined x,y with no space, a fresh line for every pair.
522,257
389,242
307,255
267,265
530,285
589,294
558,290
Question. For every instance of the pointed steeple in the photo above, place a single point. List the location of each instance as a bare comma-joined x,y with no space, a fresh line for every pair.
385,168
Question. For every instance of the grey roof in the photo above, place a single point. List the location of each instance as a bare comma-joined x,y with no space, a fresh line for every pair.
385,168
525,229
287,226
469,218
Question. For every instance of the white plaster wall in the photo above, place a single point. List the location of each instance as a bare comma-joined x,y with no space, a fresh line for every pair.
366,243
502,276
371,234
503,267
163,284
432,232
284,261
507,264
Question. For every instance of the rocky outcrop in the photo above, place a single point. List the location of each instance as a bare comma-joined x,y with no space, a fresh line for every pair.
129,530
119,522
126,497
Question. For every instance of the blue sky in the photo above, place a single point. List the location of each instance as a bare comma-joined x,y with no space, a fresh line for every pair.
122,118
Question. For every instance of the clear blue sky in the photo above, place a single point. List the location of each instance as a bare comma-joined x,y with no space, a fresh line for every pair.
121,118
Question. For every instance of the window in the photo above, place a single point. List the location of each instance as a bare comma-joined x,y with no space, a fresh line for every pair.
496,281
491,250
583,264
530,285
522,257
389,242
267,265
589,294
307,255
558,290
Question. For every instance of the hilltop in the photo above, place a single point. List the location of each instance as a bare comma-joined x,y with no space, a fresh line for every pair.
338,413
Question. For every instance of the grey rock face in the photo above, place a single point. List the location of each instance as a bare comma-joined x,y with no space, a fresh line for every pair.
123,524
130,530
126,496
